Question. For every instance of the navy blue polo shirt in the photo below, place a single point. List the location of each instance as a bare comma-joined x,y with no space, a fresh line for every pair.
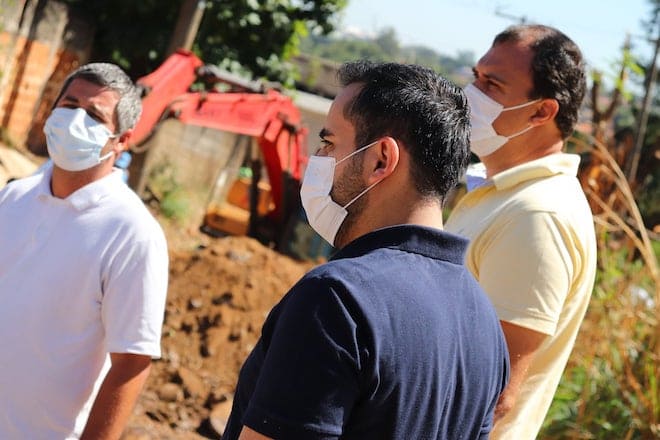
391,339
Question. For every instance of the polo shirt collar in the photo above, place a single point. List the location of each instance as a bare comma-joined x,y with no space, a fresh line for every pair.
431,242
551,165
86,197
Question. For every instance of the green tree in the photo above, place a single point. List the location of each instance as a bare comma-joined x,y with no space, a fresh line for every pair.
385,46
257,36
349,49
388,42
261,35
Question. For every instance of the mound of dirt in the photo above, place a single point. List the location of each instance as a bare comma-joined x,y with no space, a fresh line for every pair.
219,296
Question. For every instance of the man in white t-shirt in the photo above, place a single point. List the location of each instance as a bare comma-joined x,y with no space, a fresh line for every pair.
83,273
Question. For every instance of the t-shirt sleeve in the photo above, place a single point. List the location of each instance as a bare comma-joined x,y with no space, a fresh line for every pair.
526,268
133,305
309,379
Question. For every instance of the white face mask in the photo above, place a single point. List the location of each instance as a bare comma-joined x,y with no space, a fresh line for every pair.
484,140
75,140
323,213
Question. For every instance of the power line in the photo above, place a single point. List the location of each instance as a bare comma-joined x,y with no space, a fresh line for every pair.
522,19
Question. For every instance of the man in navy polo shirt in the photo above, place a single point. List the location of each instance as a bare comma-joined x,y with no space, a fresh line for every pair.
392,338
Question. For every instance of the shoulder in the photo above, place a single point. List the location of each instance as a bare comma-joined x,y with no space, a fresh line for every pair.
555,202
315,307
344,275
328,278
555,194
325,287
332,270
19,188
125,209
559,197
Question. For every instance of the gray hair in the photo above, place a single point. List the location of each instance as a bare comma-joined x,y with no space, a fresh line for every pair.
129,106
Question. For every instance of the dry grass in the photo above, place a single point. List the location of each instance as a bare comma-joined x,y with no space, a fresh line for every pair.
610,389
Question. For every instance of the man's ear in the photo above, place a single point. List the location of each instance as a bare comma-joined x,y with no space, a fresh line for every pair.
386,159
122,142
546,112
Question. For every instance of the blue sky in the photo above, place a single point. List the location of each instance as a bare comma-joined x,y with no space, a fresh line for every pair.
598,27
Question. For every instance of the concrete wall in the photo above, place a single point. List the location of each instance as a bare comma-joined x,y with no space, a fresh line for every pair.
317,75
181,163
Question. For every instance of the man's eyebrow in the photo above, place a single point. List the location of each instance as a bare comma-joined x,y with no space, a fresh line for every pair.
324,133
69,98
100,111
95,108
494,77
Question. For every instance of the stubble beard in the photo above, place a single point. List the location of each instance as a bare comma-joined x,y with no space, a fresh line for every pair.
347,186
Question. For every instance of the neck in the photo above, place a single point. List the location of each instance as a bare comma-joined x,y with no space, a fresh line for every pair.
402,211
63,183
519,152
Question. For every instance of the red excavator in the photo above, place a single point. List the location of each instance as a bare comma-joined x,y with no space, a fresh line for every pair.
267,133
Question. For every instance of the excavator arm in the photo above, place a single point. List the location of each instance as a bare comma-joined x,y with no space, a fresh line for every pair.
159,89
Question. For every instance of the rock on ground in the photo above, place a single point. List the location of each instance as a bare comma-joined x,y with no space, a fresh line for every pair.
219,295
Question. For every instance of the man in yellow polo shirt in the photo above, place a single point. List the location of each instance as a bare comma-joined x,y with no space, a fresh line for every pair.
533,247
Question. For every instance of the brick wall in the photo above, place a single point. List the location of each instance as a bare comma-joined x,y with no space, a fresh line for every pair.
39,47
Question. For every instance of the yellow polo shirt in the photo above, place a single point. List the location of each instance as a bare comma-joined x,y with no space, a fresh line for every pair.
533,250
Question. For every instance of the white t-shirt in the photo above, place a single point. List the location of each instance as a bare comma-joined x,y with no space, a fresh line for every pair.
80,277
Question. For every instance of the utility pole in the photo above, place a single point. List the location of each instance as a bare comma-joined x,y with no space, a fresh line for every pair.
190,16
633,160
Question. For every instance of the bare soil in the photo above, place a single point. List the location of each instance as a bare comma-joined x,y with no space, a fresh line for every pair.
220,292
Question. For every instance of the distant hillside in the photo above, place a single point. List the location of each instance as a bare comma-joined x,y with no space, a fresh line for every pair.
322,55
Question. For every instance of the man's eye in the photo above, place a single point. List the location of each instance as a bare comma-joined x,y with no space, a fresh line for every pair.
95,116
91,114
492,85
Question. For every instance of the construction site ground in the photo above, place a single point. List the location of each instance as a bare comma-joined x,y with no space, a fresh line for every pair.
220,292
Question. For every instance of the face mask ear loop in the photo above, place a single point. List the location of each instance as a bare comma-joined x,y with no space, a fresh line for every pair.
362,193
110,153
106,157
516,107
367,188
524,130
355,152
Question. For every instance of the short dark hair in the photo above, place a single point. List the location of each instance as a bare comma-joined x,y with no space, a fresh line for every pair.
418,107
129,106
557,69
